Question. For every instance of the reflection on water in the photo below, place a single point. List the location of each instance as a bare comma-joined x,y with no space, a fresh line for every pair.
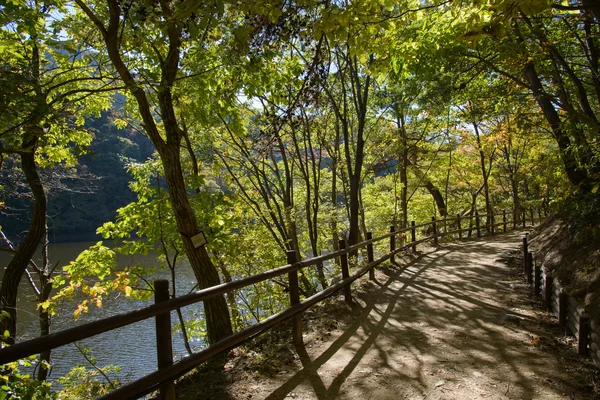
132,347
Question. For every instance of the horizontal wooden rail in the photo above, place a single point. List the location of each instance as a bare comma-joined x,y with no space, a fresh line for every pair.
152,381
422,225
61,338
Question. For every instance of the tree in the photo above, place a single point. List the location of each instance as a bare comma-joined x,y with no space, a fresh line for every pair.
46,83
552,53
146,52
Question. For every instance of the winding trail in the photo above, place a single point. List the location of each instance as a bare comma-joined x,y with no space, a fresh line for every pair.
435,327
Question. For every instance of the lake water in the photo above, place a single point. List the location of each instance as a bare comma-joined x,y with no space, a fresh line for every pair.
131,347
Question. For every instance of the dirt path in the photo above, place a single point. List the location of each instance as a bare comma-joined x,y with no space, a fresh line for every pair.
448,324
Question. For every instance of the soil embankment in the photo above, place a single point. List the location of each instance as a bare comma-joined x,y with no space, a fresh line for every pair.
572,253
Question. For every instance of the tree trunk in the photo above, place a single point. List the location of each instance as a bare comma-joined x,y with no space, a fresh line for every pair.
360,90
404,181
485,175
432,189
363,225
295,245
218,323
437,197
237,321
576,175
354,212
334,216
15,269
44,318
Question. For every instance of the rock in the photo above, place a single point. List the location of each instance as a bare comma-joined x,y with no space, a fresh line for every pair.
439,383
512,318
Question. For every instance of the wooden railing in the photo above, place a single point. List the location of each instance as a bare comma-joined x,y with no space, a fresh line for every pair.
167,372
571,315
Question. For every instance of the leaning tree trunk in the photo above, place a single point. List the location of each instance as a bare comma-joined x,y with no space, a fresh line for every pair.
437,197
577,175
218,323
15,269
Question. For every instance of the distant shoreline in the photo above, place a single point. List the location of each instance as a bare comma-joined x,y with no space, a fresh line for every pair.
74,237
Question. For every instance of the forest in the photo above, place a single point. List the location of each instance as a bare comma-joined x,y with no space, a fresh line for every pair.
272,126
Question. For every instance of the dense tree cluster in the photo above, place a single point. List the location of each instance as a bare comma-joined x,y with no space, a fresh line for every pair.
283,126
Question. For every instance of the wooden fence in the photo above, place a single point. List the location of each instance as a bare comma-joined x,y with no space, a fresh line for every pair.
571,315
163,378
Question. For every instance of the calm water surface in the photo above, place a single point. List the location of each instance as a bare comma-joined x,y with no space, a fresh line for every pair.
131,347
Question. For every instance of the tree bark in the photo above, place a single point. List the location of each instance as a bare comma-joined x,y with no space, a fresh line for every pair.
361,96
237,320
403,166
44,319
485,176
218,323
15,269
437,197
576,175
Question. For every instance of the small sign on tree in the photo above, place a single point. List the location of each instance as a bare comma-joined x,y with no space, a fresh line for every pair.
199,239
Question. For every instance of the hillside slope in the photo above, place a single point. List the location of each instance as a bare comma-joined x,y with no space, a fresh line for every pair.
568,244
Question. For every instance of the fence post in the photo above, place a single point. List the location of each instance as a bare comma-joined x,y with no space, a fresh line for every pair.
459,227
392,243
413,236
504,221
345,272
294,298
529,266
370,257
445,224
563,301
477,225
470,230
537,274
582,337
525,253
492,229
164,343
548,291
434,227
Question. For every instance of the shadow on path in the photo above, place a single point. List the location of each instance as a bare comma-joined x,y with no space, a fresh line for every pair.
433,325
